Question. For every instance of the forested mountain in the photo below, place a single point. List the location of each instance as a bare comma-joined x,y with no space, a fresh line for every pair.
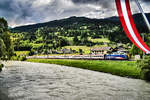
79,21
72,22
73,31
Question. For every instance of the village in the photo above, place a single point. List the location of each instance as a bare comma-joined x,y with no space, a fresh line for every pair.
97,53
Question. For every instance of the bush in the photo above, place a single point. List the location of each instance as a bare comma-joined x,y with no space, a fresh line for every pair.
1,66
145,68
14,58
22,58
19,58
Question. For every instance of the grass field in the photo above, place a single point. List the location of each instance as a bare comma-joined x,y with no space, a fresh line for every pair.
20,53
99,40
85,49
120,68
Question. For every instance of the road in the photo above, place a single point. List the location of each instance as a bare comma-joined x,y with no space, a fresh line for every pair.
36,81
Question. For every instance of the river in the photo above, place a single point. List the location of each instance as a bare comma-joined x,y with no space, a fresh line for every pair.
36,81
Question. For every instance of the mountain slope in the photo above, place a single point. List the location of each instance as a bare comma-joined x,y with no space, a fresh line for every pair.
75,21
72,21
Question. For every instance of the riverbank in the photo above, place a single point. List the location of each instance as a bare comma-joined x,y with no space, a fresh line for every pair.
120,68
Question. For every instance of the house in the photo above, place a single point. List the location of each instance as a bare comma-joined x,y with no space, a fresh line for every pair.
120,50
66,51
101,50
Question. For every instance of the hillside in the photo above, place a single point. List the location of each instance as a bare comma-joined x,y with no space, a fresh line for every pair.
75,21
72,21
74,31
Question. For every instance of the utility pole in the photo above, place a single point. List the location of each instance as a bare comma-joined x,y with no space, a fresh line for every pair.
143,40
143,14
90,51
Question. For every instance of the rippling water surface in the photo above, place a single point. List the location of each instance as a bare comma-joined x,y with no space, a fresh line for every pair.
35,81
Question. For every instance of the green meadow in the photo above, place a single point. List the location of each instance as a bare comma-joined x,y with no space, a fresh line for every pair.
21,53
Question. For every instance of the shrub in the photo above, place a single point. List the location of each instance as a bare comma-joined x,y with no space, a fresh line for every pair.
145,68
19,58
1,66
14,58
22,58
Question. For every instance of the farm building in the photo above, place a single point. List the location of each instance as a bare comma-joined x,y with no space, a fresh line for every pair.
101,50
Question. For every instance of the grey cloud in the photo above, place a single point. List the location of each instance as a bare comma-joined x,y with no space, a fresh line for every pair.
20,12
103,3
15,7
146,0
15,10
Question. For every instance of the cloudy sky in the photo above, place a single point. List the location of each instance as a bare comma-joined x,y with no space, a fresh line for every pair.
23,12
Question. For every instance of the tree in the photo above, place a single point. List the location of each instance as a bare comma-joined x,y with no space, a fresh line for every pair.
81,51
5,40
135,51
2,48
75,40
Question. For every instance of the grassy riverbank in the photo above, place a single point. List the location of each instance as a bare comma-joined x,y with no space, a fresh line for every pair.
120,68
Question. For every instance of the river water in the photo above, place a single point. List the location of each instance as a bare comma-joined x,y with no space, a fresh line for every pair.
35,81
